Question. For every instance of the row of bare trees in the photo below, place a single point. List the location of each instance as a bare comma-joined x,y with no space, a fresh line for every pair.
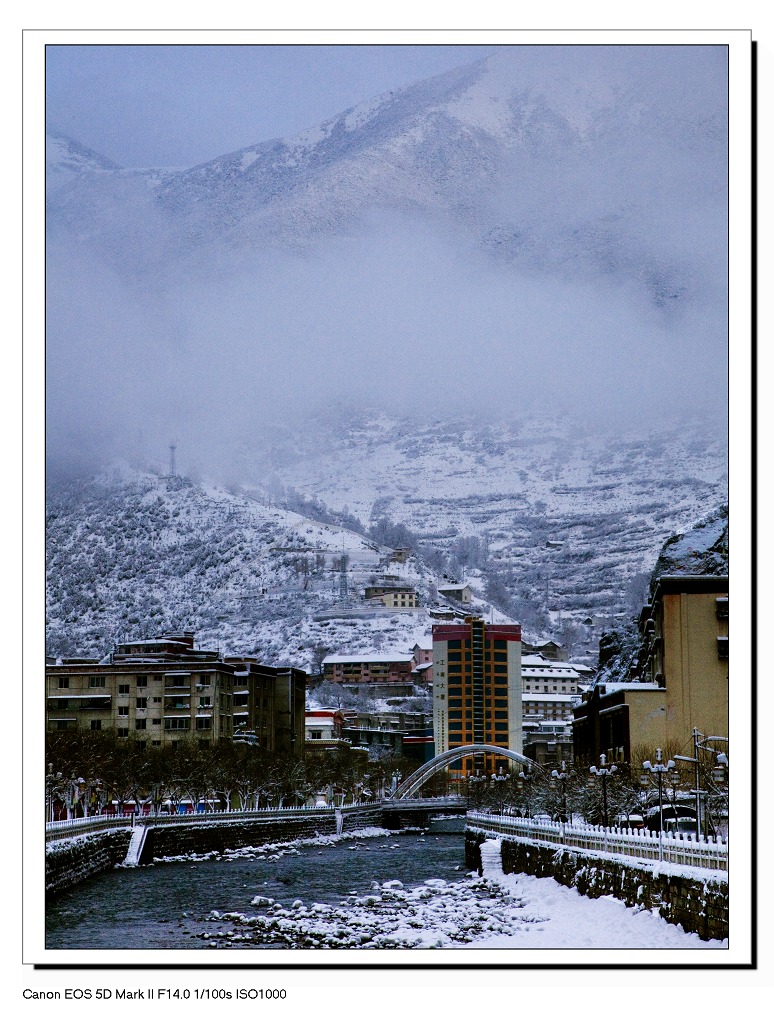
87,772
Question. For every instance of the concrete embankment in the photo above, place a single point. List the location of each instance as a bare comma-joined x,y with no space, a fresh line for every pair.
71,861
698,901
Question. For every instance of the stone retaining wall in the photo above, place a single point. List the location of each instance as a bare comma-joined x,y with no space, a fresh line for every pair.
208,837
700,905
70,861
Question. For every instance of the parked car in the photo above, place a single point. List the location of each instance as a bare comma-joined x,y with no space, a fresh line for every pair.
675,819
635,821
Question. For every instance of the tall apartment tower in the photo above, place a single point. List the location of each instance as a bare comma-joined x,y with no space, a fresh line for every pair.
477,690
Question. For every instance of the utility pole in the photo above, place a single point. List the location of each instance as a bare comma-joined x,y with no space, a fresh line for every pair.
172,468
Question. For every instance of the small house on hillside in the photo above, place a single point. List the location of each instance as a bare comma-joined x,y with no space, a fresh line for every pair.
459,592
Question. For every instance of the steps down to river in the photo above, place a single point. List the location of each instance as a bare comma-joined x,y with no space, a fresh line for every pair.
136,844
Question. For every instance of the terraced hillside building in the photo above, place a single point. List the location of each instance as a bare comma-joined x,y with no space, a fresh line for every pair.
477,691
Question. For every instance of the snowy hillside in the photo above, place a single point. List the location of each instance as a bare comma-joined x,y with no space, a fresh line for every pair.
67,159
132,554
555,524
556,531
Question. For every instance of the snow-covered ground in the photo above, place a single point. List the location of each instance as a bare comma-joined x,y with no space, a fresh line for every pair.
493,911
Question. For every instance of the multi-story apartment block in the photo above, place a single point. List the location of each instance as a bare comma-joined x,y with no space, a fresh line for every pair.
158,690
477,689
269,704
391,672
682,682
163,690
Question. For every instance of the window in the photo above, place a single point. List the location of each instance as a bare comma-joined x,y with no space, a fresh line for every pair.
96,724
141,744
723,648
142,703
204,680
203,723
174,724
156,743
123,733
156,721
316,734
62,726
123,712
123,687
206,701
96,681
141,723
157,679
64,682
142,680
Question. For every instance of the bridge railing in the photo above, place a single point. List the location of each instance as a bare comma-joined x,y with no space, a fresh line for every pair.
644,845
428,801
98,823
82,826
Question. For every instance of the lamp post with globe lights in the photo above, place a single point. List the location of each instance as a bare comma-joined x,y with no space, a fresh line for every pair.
498,781
602,773
700,742
527,780
659,769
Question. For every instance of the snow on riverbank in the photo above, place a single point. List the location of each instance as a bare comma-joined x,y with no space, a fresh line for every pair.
493,911
274,851
577,922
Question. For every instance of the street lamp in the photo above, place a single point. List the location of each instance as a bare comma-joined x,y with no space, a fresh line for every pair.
53,789
474,790
561,777
498,779
659,769
602,773
527,780
695,761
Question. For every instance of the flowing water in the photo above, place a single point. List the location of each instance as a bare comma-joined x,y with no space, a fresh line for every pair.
168,905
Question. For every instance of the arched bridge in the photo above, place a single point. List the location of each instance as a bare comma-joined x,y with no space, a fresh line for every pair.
418,778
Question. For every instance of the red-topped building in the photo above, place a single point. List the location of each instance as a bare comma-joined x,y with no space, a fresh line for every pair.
477,689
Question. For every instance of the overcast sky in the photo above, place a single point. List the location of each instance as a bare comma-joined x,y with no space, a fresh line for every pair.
177,106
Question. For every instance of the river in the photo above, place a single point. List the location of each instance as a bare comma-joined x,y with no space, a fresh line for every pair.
168,905
371,889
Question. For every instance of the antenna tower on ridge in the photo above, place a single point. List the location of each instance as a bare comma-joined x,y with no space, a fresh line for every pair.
172,449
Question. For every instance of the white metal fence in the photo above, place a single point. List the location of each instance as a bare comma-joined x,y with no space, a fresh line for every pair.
101,822
82,826
642,844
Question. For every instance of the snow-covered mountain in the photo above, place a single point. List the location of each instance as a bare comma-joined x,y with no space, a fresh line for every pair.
557,531
67,160
564,159
527,254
